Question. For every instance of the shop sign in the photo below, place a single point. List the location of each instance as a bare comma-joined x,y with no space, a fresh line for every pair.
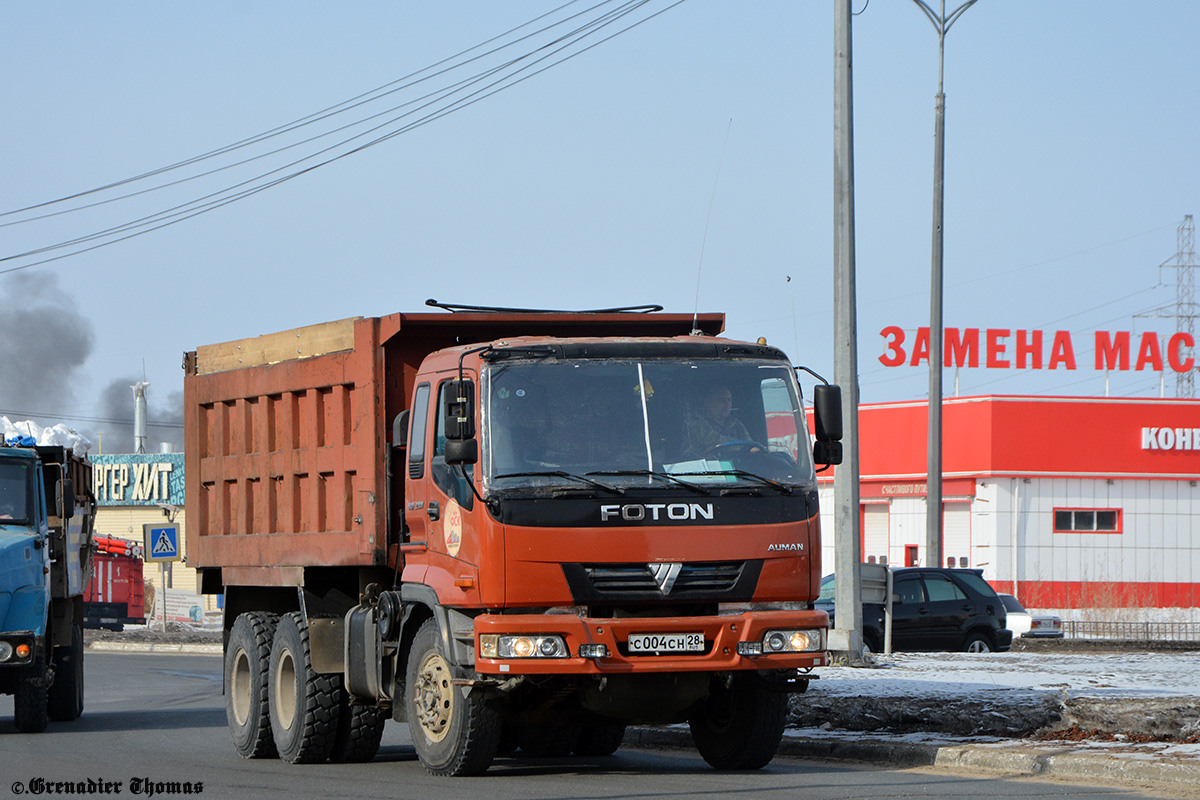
138,480
1171,438
1004,348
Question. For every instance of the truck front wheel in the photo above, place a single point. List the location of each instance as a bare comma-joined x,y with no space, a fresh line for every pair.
30,711
304,703
247,661
740,727
66,694
454,732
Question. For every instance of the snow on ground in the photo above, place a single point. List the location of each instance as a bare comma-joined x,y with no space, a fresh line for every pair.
1008,694
964,674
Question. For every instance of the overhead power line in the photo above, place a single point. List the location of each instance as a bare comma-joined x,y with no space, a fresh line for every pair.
78,418
546,47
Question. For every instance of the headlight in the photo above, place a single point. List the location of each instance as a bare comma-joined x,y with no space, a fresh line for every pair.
804,641
492,645
5,651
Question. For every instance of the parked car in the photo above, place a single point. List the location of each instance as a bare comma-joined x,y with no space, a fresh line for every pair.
1022,623
933,608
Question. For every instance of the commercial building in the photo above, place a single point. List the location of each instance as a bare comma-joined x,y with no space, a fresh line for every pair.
1067,503
135,490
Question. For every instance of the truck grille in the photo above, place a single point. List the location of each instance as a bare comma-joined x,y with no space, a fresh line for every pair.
704,580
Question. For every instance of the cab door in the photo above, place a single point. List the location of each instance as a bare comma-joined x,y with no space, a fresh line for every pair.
416,494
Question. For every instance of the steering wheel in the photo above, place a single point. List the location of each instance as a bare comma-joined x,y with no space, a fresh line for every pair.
737,446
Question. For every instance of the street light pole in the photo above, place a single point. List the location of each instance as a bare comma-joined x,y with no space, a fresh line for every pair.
846,636
933,491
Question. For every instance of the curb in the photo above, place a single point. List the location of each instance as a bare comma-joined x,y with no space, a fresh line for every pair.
155,647
1014,757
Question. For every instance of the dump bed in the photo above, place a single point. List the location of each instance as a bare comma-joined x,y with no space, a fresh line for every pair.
288,434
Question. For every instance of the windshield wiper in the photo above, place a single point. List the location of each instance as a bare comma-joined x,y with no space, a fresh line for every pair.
650,473
558,473
782,488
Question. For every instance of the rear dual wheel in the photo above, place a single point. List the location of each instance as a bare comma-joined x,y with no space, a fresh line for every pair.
304,703
272,691
247,661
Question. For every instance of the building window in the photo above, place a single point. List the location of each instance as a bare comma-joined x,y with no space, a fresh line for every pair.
1087,520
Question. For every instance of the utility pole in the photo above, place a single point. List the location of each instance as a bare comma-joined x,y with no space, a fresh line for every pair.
933,482
1184,309
846,637
1185,299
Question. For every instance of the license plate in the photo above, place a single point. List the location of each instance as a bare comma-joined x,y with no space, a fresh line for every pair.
666,642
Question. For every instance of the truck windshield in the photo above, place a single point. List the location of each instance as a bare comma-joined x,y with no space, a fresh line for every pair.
655,421
16,492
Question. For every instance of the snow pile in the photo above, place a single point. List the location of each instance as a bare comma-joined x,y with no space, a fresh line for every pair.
1008,694
27,432
1136,674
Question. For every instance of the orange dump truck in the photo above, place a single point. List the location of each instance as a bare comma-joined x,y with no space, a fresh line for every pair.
509,529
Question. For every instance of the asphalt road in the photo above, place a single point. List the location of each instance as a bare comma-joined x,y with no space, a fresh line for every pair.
154,725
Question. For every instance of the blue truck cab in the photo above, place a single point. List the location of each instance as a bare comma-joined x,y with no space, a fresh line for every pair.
46,517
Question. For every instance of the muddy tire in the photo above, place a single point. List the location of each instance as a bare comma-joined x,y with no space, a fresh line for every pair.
359,732
304,703
740,727
247,663
454,733
601,740
66,693
31,712
554,741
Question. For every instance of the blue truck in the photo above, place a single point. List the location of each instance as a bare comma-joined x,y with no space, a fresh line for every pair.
46,528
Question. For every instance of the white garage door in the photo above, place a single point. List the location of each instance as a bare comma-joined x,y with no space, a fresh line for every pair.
875,533
956,534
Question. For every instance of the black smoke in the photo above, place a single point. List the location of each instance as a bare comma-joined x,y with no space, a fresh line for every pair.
44,341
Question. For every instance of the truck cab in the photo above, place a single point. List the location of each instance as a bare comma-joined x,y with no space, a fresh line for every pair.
44,566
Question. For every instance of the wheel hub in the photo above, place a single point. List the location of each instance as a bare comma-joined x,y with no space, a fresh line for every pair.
433,697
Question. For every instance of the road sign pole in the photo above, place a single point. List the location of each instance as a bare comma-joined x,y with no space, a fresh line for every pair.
162,582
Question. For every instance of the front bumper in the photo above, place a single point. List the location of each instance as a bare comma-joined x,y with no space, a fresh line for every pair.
721,636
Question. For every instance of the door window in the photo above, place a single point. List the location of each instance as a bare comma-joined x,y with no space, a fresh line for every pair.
909,590
416,438
942,588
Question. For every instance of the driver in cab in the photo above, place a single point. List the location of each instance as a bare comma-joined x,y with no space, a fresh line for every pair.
712,424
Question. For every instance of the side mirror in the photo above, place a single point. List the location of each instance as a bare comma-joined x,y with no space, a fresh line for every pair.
65,492
827,419
462,451
896,601
460,411
400,429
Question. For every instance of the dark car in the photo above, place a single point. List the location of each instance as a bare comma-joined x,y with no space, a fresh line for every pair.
933,609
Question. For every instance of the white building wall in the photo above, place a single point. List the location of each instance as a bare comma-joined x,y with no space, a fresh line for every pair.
1159,541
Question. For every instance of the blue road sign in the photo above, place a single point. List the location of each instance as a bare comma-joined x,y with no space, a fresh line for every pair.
161,542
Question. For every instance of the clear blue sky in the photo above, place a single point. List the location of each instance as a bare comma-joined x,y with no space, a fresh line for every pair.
1070,161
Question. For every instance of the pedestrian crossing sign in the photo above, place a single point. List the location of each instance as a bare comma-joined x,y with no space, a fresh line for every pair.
161,542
